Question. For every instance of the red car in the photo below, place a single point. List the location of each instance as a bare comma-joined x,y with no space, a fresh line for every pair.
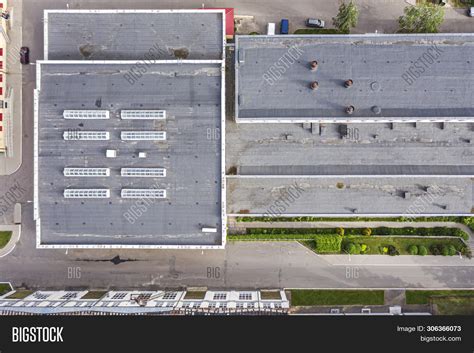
25,55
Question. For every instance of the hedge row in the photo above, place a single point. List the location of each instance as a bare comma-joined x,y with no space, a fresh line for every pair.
327,244
437,231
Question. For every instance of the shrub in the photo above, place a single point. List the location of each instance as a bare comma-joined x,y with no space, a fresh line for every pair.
350,248
328,243
435,250
363,248
393,251
383,249
468,221
340,231
340,185
413,250
460,233
367,231
422,250
452,250
444,250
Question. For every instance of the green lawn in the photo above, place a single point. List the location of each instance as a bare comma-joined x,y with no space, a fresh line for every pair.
401,243
20,294
374,244
4,288
270,294
303,297
94,294
195,295
454,305
4,238
423,296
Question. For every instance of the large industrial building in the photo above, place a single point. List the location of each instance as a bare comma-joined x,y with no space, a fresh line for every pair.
130,128
358,125
129,106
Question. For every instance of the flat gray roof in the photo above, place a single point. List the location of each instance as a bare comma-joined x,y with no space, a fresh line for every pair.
395,77
349,196
191,96
383,149
134,35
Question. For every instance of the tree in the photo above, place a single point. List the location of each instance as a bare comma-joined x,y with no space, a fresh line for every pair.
413,250
347,17
422,18
340,231
367,231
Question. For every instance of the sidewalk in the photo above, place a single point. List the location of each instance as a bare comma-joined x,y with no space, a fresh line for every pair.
12,76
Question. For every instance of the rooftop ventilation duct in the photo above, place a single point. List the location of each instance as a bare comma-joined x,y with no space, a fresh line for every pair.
350,109
314,85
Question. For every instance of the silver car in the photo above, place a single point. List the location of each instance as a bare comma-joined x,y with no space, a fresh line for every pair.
315,23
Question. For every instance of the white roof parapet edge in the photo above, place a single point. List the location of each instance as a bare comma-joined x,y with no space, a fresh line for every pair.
101,11
358,120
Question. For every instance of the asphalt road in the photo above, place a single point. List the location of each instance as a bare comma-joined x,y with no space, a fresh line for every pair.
241,265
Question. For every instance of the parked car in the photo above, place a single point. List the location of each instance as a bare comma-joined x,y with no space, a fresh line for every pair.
284,26
315,23
25,55
471,11
271,29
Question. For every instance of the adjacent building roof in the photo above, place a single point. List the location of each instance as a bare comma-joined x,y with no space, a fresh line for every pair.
349,197
394,78
134,34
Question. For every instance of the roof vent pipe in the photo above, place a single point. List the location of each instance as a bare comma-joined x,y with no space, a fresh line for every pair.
314,65
350,109
314,85
348,83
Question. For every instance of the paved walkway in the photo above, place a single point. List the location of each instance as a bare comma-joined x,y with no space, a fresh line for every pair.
394,297
16,232
240,226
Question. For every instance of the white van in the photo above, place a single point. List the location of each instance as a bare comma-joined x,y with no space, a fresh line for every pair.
271,29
